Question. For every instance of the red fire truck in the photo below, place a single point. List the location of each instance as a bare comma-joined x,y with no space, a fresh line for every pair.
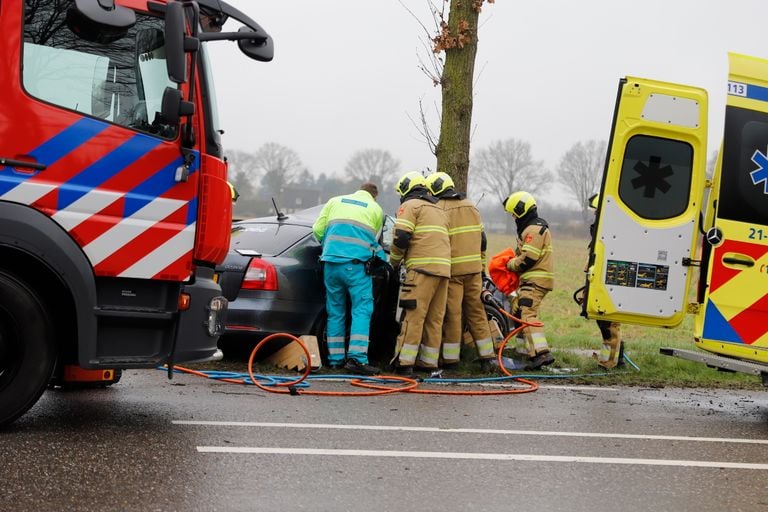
114,204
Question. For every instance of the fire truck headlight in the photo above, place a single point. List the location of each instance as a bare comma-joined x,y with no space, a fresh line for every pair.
217,308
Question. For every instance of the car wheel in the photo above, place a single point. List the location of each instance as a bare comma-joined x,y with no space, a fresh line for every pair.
494,315
27,352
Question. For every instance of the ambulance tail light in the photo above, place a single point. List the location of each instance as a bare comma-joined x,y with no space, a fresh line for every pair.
260,275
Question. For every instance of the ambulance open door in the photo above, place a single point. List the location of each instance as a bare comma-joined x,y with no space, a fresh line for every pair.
646,227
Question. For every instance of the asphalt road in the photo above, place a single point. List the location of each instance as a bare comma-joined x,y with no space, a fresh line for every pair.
194,444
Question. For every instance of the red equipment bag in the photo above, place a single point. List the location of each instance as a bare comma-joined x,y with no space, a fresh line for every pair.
505,280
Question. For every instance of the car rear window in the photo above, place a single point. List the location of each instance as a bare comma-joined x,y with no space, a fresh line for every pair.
267,238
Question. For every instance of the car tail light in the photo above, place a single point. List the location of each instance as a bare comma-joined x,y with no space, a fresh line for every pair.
260,275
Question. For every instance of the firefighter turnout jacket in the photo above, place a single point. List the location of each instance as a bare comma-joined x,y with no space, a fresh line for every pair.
534,262
467,238
468,244
421,244
421,237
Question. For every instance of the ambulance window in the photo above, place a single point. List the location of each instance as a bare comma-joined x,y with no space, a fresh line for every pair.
120,81
655,176
744,188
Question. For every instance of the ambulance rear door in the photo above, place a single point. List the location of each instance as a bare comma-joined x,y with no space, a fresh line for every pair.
647,219
733,320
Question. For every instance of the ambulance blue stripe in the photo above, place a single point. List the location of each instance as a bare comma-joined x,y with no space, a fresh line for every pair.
154,186
105,168
54,149
716,327
755,92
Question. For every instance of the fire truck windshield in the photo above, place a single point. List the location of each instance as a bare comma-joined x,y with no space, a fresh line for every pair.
121,81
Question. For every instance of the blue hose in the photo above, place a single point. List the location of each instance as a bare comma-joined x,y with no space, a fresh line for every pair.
274,380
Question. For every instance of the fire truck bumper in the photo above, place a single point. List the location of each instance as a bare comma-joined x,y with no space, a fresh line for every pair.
201,325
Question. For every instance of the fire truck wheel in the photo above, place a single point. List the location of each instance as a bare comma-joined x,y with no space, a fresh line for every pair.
27,352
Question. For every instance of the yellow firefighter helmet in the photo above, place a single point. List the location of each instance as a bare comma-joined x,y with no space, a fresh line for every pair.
439,182
519,203
409,181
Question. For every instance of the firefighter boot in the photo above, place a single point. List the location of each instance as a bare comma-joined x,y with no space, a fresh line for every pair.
358,368
539,360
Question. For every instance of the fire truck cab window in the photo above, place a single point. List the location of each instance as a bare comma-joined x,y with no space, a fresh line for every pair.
655,178
120,81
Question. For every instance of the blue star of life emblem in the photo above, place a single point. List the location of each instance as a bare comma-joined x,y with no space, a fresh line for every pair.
761,173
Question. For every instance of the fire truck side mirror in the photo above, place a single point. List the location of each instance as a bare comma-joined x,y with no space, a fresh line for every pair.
174,108
100,21
175,57
260,47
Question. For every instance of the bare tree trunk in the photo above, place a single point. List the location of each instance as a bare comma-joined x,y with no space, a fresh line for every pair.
460,44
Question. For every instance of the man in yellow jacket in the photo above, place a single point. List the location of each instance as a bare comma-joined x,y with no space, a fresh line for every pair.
468,244
347,228
421,244
534,264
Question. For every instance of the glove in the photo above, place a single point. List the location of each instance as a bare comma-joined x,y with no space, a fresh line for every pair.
511,265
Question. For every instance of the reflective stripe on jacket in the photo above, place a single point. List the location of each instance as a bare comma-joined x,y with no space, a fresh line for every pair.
347,227
534,262
465,230
429,250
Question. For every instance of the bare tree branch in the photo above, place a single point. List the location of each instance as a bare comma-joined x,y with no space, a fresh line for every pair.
507,166
278,166
581,169
375,165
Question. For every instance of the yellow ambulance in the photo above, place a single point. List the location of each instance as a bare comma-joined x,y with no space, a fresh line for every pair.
661,219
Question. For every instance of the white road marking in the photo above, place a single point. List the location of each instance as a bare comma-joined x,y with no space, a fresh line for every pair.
601,435
480,456
577,388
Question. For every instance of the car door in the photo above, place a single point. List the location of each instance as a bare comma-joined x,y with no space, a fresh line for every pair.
647,219
736,297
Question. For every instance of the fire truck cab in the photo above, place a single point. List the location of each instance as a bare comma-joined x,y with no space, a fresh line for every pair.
114,204
662,220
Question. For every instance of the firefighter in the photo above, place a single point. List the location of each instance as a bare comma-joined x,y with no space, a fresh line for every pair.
347,228
533,263
421,245
468,244
612,352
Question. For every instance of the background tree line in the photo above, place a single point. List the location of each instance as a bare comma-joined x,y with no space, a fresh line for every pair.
274,171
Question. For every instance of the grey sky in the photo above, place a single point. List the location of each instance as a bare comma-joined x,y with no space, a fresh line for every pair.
345,75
